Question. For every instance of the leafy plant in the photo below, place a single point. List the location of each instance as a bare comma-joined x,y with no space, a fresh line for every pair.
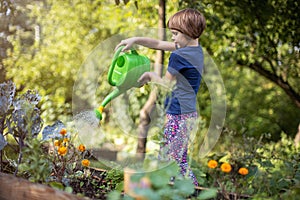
253,168
230,179
37,166
20,119
116,179
51,159
279,174
162,183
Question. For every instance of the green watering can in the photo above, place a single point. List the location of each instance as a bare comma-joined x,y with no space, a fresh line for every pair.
125,70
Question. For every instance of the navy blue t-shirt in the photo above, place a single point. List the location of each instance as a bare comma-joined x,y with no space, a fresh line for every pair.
186,64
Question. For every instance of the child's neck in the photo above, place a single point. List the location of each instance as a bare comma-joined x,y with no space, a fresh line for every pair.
192,43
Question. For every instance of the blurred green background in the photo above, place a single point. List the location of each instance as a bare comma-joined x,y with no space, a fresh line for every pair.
255,45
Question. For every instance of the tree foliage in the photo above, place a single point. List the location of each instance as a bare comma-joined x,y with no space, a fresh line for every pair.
13,20
255,43
67,32
262,36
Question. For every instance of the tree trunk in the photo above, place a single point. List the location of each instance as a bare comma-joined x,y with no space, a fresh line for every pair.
150,104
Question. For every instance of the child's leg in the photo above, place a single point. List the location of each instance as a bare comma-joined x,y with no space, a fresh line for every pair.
176,143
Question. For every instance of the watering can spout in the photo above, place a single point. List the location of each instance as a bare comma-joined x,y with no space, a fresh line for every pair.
116,92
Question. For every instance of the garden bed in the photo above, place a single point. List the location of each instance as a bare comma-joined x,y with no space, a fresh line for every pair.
97,187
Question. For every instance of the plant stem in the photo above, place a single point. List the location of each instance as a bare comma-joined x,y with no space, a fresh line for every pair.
21,144
1,132
1,161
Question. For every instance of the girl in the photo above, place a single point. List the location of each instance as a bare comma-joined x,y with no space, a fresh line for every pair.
184,73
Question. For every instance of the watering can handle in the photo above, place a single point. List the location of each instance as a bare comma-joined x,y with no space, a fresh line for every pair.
113,63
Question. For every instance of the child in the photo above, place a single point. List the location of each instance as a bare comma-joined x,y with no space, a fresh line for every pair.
185,73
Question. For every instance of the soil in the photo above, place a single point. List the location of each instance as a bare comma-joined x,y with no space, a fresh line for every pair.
94,187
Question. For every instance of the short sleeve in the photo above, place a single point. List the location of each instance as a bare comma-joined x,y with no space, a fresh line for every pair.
173,64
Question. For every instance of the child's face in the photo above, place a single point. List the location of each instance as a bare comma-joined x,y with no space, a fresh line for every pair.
181,40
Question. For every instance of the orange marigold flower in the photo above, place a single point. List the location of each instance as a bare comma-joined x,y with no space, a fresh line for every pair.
63,131
85,162
57,143
81,148
243,171
62,151
226,167
212,164
66,140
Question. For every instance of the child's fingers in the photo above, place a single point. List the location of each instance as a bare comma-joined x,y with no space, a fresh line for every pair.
118,46
127,45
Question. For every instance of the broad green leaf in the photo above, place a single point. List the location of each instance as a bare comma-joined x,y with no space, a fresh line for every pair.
208,194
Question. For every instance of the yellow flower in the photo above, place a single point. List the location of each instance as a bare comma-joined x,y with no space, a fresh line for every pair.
63,131
66,140
226,167
81,148
85,162
62,150
212,164
243,171
57,143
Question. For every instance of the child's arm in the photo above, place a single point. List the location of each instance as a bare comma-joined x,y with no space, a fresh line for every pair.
167,81
147,42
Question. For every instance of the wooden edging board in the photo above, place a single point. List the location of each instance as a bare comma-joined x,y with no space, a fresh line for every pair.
14,188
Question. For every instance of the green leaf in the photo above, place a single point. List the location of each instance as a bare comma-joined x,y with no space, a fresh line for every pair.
252,171
184,186
297,174
119,186
166,192
267,164
284,183
172,169
56,185
114,195
208,194
69,189
149,193
159,178
81,184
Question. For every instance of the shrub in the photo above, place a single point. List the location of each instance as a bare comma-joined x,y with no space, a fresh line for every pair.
254,168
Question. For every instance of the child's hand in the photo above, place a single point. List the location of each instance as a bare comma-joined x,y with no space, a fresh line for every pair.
145,78
127,43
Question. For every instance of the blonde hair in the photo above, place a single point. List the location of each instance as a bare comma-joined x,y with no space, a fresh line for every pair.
189,22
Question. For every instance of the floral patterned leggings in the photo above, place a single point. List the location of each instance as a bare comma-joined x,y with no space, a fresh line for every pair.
176,135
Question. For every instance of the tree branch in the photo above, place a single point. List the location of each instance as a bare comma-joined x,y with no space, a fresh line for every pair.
278,80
